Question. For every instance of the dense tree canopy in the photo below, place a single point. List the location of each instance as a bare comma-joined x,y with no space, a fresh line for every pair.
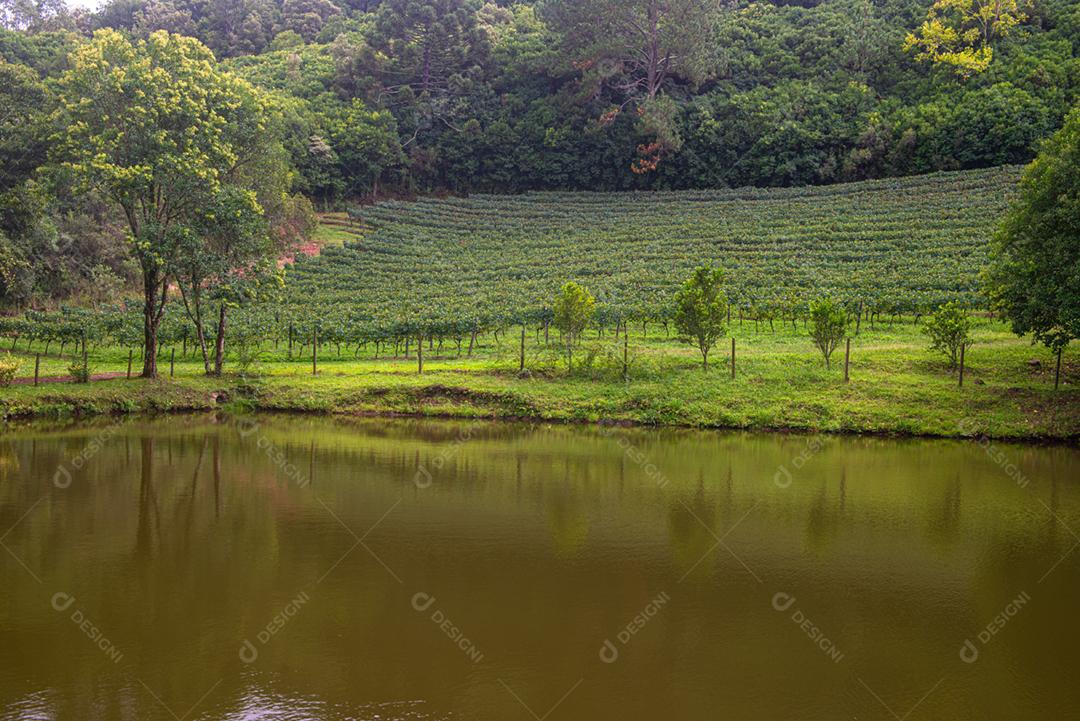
163,135
376,98
1035,274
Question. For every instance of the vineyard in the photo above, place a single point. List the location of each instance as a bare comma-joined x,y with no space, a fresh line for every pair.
889,247
455,267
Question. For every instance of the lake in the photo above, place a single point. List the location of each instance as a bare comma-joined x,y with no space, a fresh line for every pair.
311,568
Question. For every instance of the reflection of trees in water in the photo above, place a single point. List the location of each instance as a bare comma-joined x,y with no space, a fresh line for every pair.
9,463
826,515
943,520
692,525
566,517
149,517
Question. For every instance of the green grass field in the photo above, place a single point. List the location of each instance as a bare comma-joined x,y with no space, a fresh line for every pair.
897,384
335,230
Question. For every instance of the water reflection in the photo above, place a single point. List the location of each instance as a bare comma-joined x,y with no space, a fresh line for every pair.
182,540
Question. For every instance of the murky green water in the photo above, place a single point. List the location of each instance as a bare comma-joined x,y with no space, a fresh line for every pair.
319,569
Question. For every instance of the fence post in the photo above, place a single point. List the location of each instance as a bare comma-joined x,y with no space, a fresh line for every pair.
962,347
130,354
732,359
172,363
1057,370
314,352
625,357
847,361
37,367
420,354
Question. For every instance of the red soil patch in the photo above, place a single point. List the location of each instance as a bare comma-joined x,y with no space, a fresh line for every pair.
309,249
66,379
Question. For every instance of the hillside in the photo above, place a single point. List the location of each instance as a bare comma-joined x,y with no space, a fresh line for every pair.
895,245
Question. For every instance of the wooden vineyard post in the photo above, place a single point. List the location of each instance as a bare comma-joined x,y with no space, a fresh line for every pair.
86,367
962,347
172,363
130,354
626,357
314,352
1057,370
290,340
847,361
732,359
37,367
420,355
521,365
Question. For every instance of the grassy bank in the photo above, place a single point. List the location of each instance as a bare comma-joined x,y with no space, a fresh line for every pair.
897,384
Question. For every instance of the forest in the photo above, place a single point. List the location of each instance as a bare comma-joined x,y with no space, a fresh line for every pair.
368,99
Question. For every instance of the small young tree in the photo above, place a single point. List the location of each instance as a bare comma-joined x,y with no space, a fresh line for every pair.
948,329
701,310
574,308
828,326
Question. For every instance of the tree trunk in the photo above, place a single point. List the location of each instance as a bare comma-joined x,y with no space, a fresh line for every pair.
219,342
153,303
521,366
201,337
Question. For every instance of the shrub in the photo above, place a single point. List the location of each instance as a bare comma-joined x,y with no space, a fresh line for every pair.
574,308
828,326
80,371
9,366
701,309
949,329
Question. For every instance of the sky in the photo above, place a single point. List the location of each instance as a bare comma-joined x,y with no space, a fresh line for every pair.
86,4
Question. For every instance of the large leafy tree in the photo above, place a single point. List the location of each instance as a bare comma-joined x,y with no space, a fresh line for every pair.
423,44
224,259
635,48
1034,276
366,145
24,227
960,33
34,15
156,127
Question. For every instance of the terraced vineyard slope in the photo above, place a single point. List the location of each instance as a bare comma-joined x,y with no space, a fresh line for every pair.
902,245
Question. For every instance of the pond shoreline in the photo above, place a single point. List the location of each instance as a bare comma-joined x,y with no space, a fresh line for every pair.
163,398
